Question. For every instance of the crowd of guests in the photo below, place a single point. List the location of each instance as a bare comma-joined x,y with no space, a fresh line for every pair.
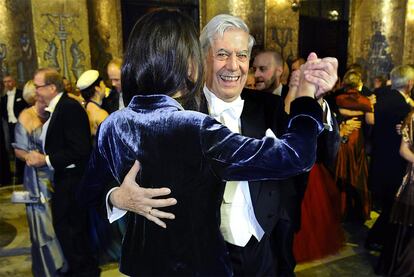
86,161
370,169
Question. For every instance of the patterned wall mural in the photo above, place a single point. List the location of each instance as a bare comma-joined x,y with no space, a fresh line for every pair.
377,35
17,48
61,35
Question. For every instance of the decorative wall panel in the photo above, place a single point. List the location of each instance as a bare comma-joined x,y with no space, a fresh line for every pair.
282,25
62,36
105,30
17,48
376,37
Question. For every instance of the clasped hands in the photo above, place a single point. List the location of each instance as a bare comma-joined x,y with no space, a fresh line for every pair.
35,159
317,72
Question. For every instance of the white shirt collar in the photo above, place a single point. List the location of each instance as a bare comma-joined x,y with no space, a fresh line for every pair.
217,106
53,103
278,90
11,92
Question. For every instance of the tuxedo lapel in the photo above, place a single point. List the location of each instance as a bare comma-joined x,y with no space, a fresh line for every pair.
203,104
249,127
53,118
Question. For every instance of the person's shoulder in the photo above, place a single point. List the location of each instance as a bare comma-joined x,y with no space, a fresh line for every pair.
19,91
67,100
26,115
100,115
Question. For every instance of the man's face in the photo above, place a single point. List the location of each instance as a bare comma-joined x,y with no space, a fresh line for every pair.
227,64
68,86
114,74
44,92
101,89
9,83
266,72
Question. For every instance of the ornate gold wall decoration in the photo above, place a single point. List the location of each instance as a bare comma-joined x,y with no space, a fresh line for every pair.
282,28
17,49
61,35
376,36
105,30
408,57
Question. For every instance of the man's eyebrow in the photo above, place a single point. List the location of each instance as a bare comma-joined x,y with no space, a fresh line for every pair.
223,49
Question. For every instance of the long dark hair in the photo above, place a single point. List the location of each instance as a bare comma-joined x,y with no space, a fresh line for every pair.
160,48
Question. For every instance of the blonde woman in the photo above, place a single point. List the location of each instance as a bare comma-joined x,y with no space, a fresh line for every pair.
47,257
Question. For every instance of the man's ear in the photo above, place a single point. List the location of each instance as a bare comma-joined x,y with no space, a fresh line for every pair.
279,71
53,86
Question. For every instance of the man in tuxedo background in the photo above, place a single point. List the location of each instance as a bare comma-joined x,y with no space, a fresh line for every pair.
249,210
66,137
114,101
268,69
13,104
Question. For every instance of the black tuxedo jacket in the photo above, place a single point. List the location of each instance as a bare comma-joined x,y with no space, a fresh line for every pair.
261,112
18,106
111,103
68,137
387,166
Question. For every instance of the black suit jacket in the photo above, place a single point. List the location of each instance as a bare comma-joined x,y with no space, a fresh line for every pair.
111,103
387,166
261,112
18,106
68,137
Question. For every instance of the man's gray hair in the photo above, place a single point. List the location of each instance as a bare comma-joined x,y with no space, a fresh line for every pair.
220,24
400,76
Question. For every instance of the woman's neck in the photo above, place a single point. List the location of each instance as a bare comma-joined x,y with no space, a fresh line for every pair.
97,99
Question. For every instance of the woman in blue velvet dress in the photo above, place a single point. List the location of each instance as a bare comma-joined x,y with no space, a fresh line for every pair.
47,256
187,151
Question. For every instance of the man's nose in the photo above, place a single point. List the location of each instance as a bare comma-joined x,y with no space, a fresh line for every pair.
232,62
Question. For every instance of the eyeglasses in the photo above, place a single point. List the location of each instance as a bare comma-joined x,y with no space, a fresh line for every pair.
41,86
224,55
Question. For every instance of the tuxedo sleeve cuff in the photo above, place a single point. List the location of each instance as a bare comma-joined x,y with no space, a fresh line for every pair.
113,213
49,164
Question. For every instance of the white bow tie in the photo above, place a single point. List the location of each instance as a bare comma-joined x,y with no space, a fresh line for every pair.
10,92
234,109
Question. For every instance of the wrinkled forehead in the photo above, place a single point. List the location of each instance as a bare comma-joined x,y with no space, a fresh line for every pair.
231,37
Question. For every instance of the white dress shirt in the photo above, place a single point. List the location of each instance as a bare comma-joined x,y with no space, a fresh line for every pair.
238,221
121,101
278,90
11,94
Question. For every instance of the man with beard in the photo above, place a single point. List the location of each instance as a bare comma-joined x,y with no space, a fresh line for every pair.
268,68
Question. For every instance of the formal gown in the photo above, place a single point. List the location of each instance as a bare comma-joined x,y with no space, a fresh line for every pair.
397,256
320,233
46,252
352,164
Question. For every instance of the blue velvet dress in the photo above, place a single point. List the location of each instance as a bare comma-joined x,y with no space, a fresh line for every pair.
190,153
47,256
